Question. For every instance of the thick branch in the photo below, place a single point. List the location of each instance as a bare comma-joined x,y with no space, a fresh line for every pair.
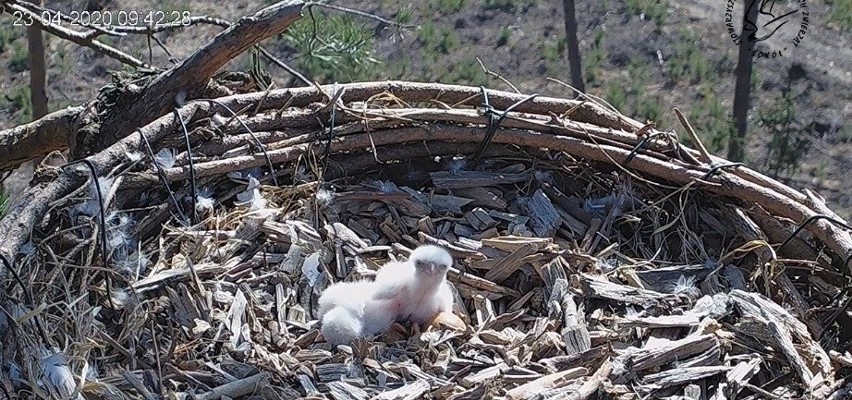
38,138
189,79
29,210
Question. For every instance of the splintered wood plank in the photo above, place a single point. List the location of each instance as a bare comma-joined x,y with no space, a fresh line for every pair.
479,219
469,179
485,375
547,382
544,219
622,293
588,359
663,321
236,314
737,377
496,291
513,243
783,327
448,204
346,235
483,197
340,390
362,229
664,353
509,264
411,391
680,376
575,334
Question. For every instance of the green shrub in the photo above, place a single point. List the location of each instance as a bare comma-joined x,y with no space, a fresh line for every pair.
7,36
467,72
655,10
333,48
616,97
403,15
508,5
18,100
840,12
19,61
594,58
4,200
448,42
788,139
711,120
450,6
688,63
505,34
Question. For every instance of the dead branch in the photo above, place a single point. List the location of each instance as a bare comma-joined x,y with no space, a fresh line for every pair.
188,79
38,138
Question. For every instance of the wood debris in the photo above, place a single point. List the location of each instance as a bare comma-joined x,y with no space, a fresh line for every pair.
573,279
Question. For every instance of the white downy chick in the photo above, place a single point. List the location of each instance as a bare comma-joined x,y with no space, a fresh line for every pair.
418,288
350,309
340,325
348,294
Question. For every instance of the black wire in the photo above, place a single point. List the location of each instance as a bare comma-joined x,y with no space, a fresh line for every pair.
102,212
808,222
330,136
639,146
191,168
493,122
717,168
250,132
162,176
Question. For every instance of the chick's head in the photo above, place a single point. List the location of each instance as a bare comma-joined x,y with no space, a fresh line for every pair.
431,260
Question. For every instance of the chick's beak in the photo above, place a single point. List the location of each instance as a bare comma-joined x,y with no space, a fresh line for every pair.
432,268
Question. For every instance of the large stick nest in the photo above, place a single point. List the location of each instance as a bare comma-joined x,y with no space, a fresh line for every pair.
594,256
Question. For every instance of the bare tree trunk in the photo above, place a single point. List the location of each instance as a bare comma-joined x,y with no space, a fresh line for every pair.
572,45
736,143
38,73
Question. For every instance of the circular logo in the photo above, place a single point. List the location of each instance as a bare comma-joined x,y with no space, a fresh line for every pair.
770,28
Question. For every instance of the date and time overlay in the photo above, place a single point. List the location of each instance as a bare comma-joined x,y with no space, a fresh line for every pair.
104,19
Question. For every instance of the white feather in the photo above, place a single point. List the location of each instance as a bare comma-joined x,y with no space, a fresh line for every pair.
134,156
204,199
165,158
58,374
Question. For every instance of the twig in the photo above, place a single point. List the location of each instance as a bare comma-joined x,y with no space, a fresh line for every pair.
359,13
237,388
494,122
257,141
807,222
705,155
496,75
26,290
283,65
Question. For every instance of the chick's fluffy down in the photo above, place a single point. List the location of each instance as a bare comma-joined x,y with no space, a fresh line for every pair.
340,326
374,316
350,295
